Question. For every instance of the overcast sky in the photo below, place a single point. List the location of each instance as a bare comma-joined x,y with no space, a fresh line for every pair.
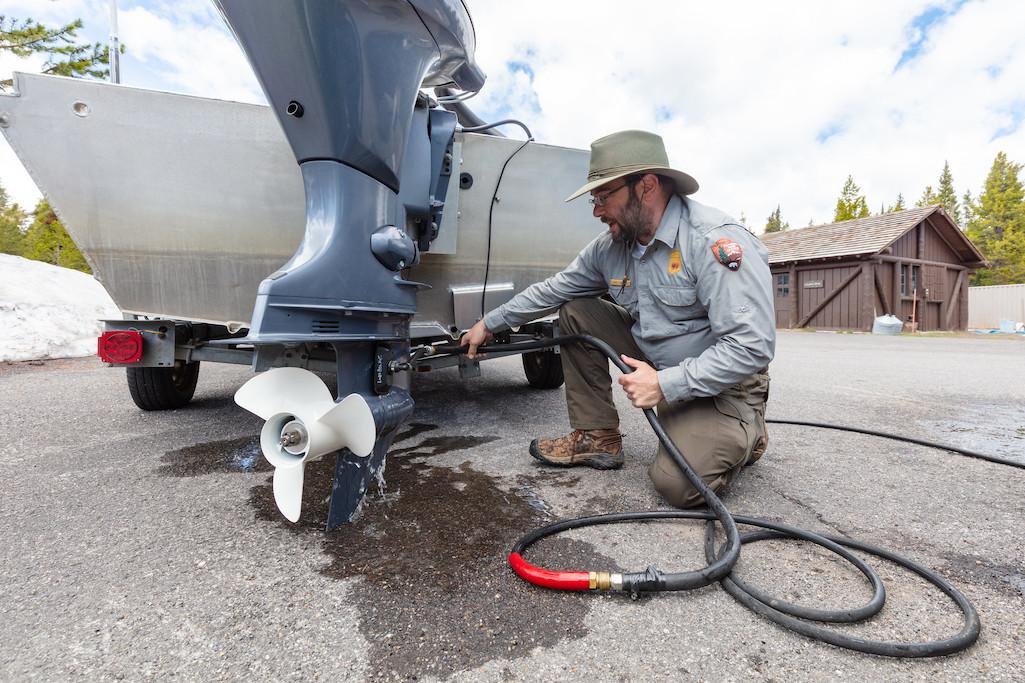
764,103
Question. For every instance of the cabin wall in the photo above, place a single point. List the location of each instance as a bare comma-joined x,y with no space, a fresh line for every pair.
919,278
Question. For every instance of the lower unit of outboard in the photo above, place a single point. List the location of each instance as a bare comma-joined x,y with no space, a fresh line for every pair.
344,79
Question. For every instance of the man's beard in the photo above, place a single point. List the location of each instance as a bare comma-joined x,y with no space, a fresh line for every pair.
633,220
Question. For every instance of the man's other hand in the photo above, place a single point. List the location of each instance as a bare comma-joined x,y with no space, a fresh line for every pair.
474,337
641,385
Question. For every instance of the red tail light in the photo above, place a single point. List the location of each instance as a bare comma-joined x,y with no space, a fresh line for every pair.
119,346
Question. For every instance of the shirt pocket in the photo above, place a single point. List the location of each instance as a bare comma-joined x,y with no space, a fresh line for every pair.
675,296
677,303
672,310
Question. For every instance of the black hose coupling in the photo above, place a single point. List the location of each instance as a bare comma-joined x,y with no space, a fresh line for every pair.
650,580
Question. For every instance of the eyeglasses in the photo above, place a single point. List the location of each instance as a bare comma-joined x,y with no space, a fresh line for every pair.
602,199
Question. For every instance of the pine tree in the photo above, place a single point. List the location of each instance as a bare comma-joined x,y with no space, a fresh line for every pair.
48,241
946,195
928,198
967,209
851,204
12,218
898,205
775,222
64,56
998,225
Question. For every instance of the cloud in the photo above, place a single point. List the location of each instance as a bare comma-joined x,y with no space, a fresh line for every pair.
1016,114
920,27
774,103
765,103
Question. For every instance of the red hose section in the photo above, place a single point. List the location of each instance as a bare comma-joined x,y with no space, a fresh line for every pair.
566,581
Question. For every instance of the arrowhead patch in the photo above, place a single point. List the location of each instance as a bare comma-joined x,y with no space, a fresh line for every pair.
675,262
728,253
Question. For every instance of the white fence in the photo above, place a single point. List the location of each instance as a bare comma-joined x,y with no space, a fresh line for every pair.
987,306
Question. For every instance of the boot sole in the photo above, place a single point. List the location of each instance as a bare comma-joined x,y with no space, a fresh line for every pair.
598,461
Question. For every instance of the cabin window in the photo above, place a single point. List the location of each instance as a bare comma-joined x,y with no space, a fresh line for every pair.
783,284
908,280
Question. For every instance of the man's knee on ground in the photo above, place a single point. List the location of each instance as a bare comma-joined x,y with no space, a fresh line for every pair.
678,491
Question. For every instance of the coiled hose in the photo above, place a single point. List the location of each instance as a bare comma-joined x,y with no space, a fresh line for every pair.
721,560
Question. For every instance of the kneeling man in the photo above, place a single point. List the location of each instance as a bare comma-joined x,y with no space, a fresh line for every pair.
684,293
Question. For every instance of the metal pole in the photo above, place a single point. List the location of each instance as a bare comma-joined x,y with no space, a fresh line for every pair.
115,45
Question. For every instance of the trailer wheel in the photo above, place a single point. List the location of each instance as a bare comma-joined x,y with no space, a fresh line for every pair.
163,388
543,369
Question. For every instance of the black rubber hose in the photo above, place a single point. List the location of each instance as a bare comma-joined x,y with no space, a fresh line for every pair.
652,580
908,439
773,609
838,616
778,611
968,634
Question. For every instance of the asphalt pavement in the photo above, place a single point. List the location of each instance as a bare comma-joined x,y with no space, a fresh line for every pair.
146,545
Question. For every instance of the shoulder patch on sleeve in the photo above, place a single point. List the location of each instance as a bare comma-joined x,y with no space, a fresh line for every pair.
728,253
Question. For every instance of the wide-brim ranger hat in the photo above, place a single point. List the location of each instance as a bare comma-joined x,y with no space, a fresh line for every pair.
628,152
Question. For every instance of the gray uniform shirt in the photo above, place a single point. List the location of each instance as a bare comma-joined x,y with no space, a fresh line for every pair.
702,319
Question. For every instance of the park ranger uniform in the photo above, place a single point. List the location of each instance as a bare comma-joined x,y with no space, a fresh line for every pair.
697,305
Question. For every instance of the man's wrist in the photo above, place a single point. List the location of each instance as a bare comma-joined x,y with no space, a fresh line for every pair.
494,321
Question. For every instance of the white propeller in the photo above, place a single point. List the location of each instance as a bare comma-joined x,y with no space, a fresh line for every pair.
303,423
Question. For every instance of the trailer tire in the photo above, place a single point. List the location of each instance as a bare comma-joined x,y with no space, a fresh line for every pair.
163,388
543,369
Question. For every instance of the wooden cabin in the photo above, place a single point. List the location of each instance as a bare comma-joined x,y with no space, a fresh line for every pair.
913,264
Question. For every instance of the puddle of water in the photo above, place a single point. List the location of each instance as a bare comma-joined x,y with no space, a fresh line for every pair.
1005,578
242,455
997,431
438,445
534,500
437,595
231,455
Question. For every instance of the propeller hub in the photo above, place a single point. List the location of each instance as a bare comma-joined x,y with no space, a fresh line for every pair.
294,438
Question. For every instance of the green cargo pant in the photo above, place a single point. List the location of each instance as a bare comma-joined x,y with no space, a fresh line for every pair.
716,434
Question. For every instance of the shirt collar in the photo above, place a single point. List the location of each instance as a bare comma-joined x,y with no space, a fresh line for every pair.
669,228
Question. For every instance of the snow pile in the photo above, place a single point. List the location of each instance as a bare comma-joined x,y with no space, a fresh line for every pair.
49,312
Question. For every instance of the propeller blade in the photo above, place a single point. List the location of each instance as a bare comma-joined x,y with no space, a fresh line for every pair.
304,394
352,420
288,490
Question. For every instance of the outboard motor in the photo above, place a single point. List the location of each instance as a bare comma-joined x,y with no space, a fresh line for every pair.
343,78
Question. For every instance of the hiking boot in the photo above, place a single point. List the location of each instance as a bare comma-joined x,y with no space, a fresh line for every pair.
601,449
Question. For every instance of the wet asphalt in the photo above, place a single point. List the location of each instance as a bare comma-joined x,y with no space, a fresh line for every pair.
147,545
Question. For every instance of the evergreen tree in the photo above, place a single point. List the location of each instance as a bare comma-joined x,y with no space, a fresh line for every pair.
12,218
775,222
48,241
946,195
851,204
898,205
967,209
64,56
998,225
928,198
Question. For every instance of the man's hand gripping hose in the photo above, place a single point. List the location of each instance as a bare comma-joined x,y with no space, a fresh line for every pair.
721,560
